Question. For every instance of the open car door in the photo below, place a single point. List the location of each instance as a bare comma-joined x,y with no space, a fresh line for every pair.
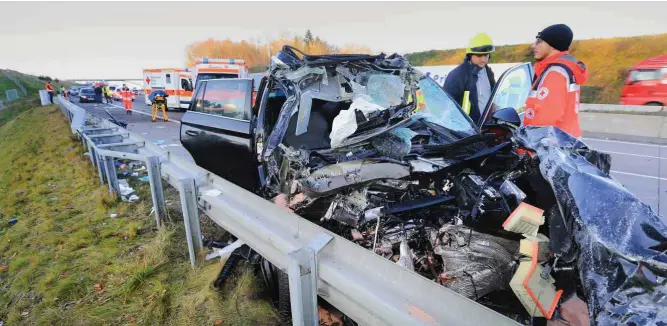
511,91
217,130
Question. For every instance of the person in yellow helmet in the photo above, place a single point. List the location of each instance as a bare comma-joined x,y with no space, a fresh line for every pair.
471,83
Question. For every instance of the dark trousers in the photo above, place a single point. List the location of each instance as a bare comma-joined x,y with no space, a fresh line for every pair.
51,97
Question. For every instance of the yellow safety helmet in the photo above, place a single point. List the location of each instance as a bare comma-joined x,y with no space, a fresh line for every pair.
480,44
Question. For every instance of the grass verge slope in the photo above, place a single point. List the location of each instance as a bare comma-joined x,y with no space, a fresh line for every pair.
66,262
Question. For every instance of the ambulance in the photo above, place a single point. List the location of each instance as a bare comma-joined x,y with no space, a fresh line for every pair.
206,69
176,82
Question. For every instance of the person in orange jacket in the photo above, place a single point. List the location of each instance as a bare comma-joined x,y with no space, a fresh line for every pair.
49,89
554,98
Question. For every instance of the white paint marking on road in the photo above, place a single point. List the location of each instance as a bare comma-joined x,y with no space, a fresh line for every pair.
638,155
623,142
147,114
639,175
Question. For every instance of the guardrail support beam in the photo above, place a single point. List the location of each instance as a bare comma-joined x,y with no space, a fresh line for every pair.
112,178
188,194
155,176
302,273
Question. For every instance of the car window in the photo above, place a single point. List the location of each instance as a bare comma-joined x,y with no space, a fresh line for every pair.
197,101
644,75
438,107
168,77
511,91
228,98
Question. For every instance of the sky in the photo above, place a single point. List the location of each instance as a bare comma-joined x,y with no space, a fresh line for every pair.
96,40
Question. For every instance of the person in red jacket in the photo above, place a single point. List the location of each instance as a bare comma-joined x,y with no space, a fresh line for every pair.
49,89
554,98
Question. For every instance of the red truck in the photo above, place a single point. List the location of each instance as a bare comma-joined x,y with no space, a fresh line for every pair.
647,83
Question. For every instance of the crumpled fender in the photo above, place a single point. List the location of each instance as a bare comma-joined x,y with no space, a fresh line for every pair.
622,242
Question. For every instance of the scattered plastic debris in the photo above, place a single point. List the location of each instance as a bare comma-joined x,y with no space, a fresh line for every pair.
135,174
225,252
144,179
133,198
159,142
143,168
114,215
123,166
13,221
124,187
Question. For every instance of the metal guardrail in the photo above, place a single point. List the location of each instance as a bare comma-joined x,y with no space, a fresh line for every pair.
366,287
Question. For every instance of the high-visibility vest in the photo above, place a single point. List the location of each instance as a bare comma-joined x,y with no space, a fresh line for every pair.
465,105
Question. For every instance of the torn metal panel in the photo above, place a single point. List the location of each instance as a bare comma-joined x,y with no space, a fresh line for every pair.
622,259
348,208
323,90
339,176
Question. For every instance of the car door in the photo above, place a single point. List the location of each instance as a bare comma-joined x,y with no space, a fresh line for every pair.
217,130
511,91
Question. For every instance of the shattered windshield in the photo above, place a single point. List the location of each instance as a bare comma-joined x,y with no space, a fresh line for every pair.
438,108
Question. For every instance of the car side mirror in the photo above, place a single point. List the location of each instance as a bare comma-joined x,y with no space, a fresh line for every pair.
506,116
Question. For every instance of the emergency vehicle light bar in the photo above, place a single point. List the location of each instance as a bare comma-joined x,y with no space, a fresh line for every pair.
226,61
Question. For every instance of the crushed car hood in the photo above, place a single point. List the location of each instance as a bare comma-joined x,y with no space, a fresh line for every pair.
622,242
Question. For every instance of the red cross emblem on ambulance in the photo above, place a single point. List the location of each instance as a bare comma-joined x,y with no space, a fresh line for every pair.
148,80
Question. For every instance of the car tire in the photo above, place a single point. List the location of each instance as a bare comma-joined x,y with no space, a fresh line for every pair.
284,303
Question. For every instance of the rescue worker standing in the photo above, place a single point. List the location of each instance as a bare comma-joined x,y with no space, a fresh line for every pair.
158,100
126,95
49,89
470,83
107,94
63,91
554,98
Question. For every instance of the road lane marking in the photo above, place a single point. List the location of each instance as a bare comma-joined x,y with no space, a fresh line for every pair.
639,175
623,142
146,114
638,155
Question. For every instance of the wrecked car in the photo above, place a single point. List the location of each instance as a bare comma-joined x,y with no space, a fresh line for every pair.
519,219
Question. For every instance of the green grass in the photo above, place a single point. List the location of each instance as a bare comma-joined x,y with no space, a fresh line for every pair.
66,262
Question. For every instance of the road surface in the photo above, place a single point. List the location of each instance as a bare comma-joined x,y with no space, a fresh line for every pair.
640,167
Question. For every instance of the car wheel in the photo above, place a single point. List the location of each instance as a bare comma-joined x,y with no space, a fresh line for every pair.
653,104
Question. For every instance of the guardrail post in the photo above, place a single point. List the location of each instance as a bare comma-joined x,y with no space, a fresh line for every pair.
112,178
302,273
188,194
155,176
100,169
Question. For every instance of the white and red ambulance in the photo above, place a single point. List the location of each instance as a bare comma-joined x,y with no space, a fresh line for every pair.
175,81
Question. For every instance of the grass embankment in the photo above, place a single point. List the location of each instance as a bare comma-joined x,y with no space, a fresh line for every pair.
608,61
66,262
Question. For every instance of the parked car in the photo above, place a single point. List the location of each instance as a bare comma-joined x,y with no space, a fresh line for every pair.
73,91
646,83
375,151
86,95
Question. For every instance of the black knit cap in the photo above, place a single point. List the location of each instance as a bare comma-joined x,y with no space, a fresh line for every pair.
559,36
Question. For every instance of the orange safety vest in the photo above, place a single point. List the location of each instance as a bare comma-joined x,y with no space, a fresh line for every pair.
554,97
126,95
49,88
